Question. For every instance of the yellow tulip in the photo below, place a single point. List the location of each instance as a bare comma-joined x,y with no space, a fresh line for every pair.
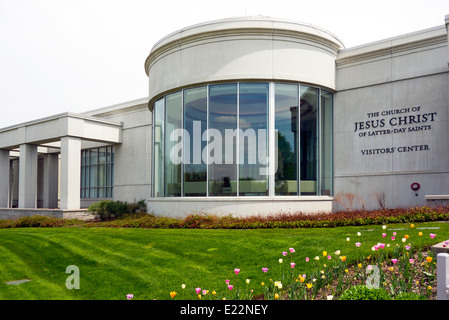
172,294
429,259
276,296
309,285
343,258
420,234
324,253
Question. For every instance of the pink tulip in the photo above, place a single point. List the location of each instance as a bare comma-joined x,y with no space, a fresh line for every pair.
265,270
230,286
394,233
392,238
292,264
204,292
307,259
198,290
129,296
381,245
227,281
236,271
384,235
291,250
358,244
432,235
329,257
410,260
394,261
284,253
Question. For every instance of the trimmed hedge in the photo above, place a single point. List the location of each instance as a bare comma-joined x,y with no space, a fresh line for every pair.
135,216
325,220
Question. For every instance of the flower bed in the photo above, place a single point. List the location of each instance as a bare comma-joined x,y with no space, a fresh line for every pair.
397,268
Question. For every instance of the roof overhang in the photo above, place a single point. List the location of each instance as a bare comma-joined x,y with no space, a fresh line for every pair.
51,129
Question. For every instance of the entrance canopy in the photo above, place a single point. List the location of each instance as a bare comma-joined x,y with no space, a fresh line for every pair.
59,139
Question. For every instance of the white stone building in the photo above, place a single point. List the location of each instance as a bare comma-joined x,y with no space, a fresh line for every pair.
249,116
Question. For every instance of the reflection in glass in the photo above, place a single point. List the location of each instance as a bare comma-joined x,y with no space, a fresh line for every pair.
159,133
173,116
195,123
253,136
221,146
286,124
326,143
234,115
96,173
309,140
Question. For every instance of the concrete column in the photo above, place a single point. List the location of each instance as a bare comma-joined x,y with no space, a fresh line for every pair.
4,178
50,176
70,173
28,176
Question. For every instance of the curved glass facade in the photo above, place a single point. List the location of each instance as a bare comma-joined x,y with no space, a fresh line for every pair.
243,139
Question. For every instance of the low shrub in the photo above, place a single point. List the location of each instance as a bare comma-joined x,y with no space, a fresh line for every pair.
410,296
36,221
107,209
100,208
361,292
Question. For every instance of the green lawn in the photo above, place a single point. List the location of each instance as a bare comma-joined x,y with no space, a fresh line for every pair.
149,263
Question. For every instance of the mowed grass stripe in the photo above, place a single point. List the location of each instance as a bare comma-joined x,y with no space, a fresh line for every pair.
150,263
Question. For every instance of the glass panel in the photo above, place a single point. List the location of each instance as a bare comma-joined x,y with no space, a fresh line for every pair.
195,123
93,173
159,116
108,175
286,125
173,116
326,142
93,156
101,175
309,140
222,140
253,125
83,181
102,155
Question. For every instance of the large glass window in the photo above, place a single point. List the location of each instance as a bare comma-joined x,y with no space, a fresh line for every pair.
253,139
286,126
222,139
308,124
195,124
213,141
158,147
326,143
97,172
173,144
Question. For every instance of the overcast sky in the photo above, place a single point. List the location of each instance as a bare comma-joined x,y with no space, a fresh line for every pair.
77,55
